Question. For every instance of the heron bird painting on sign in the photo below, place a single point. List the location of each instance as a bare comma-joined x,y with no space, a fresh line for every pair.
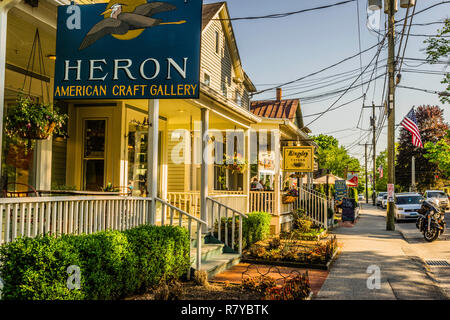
127,19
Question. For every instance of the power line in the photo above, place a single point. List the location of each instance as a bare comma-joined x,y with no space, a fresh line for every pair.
375,56
287,14
419,89
342,105
319,71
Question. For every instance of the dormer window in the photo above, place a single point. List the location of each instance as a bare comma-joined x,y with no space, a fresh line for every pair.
224,89
207,79
238,99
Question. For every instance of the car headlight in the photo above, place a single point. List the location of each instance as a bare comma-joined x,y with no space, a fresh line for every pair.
400,208
436,215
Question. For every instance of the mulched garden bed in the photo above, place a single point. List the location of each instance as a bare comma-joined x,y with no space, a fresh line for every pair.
212,291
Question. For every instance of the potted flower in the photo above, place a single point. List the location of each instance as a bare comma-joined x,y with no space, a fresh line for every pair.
237,164
32,120
290,196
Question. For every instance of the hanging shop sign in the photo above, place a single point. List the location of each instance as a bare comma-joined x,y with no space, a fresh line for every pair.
129,49
266,162
340,188
352,179
298,159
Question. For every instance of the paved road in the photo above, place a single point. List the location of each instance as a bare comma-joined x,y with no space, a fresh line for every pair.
437,251
368,245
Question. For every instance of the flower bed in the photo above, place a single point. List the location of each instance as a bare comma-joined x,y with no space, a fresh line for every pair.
292,253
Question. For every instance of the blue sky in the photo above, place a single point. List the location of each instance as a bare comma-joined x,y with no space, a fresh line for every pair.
275,51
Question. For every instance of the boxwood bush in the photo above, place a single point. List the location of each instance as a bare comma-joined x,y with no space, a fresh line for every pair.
112,264
256,228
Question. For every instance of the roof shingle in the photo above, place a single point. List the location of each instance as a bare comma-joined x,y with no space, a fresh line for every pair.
277,109
209,10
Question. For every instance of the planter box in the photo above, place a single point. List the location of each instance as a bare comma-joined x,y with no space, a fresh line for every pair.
291,264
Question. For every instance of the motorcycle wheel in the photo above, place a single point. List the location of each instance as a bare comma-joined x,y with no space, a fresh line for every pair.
432,235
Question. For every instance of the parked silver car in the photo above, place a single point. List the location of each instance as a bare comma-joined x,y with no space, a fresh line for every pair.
407,206
384,202
441,196
379,199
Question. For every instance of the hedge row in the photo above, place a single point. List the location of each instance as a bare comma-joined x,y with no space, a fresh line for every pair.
112,264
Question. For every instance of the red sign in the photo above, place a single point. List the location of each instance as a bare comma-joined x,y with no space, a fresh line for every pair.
352,179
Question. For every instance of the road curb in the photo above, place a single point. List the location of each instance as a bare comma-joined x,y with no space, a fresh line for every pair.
427,269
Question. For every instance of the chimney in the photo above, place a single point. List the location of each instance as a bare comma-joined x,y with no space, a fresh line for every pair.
279,94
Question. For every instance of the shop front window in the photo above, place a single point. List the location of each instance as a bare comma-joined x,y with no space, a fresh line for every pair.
137,159
138,156
94,154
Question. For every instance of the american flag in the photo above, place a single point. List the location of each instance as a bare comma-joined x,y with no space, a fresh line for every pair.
410,124
380,170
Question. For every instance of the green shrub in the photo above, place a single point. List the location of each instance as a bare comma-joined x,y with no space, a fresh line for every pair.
108,265
113,264
256,228
36,269
162,253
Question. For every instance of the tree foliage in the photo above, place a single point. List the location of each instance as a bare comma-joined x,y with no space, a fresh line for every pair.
381,183
439,47
439,154
334,157
432,129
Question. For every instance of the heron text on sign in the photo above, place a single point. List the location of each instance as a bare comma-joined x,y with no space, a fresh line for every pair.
129,49
298,159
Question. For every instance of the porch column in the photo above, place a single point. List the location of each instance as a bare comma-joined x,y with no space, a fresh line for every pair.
204,168
152,157
276,183
247,176
5,5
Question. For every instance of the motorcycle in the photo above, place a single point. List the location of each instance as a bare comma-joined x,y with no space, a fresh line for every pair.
431,221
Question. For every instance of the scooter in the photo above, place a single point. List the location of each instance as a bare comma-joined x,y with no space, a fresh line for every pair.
431,221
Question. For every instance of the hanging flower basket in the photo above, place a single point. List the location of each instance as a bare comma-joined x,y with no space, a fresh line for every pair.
31,120
290,196
236,164
288,199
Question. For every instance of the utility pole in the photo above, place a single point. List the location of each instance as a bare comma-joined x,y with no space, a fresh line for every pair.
374,143
390,224
413,174
374,153
367,189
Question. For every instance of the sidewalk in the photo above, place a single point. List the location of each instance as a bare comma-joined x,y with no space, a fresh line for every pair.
403,275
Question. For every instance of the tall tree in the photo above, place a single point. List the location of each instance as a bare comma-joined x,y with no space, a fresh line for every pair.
439,48
432,129
439,153
334,157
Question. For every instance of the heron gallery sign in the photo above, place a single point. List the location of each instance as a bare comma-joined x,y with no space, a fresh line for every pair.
298,159
128,49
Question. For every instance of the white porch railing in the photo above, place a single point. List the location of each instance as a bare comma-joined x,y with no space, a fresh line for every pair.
181,216
32,216
215,215
262,201
189,201
315,205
